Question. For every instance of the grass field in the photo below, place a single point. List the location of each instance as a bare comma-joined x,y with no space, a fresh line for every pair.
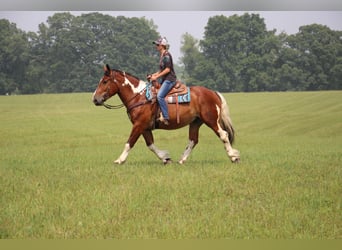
57,179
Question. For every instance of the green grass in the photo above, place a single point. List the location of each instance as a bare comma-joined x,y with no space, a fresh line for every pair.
57,179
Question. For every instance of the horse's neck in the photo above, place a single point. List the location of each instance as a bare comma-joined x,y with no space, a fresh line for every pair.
131,87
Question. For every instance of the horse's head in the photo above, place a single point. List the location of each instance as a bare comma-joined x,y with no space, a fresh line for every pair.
106,88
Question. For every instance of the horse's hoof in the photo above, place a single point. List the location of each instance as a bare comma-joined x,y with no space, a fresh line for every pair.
235,160
167,161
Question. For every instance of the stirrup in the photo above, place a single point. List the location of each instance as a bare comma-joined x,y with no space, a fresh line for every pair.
162,119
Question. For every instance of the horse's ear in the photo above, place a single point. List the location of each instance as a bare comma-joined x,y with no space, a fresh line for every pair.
106,68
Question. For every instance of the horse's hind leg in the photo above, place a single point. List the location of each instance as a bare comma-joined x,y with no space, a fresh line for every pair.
193,139
233,154
161,154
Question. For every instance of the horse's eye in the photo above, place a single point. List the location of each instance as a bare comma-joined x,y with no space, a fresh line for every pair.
105,81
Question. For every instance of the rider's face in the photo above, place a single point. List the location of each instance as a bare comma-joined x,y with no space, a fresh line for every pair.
158,47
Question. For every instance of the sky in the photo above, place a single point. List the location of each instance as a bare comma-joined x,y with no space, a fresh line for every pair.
173,24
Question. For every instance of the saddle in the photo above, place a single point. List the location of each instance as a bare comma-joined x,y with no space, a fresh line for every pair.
179,88
180,93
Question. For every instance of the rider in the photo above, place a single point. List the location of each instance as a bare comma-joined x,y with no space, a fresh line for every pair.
166,74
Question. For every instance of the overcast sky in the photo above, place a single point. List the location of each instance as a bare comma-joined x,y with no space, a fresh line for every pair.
173,24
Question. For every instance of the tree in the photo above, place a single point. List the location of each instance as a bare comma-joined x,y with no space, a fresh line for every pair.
239,53
67,53
191,58
317,53
13,57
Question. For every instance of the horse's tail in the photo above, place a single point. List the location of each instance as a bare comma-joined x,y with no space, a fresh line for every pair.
225,120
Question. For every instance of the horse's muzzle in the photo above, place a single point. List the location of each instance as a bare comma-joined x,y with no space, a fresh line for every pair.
98,100
97,103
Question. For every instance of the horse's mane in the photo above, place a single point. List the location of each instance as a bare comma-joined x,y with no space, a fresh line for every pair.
126,73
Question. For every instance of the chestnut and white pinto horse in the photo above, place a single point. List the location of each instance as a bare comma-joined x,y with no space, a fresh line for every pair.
206,106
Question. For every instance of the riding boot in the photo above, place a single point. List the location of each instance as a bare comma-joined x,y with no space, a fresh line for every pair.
163,120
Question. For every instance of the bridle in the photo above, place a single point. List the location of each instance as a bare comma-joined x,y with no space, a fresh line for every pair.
119,106
109,106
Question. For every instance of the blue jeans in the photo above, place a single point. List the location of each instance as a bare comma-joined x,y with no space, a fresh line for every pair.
164,89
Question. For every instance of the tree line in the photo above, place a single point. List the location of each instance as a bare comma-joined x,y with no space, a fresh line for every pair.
67,54
237,53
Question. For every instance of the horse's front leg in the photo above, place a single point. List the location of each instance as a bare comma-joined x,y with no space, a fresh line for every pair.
134,136
161,154
193,139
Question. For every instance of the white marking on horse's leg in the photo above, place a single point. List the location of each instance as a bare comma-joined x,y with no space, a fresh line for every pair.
123,155
187,151
162,154
233,154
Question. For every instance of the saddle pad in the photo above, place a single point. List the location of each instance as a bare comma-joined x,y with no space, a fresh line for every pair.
184,98
149,94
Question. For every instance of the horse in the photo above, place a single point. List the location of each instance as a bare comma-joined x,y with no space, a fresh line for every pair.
205,106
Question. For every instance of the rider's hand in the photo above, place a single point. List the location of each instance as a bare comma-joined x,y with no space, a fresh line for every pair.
154,77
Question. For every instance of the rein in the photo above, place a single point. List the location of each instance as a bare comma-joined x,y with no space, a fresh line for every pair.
108,106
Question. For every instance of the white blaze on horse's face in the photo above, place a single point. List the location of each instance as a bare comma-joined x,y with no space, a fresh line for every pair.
135,90
95,97
98,85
